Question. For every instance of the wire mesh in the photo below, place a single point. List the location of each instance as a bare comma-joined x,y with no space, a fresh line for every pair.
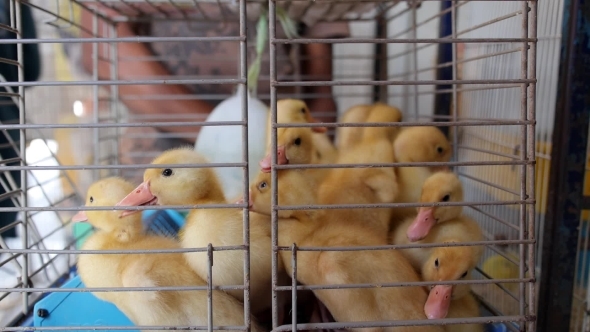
492,125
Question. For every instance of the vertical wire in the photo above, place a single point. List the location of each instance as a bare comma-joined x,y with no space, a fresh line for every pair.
245,159
523,156
455,114
273,144
23,147
415,58
531,148
294,288
210,287
114,48
95,117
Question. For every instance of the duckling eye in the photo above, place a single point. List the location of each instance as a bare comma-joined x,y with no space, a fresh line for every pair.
440,149
303,110
262,185
91,199
436,263
297,141
167,172
464,275
446,198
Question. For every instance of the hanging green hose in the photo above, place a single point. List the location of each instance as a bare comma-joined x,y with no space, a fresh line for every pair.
290,29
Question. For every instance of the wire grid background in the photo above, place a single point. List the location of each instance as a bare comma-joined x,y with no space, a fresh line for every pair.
495,143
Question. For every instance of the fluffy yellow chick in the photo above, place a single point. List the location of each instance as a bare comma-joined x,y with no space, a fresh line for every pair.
452,301
296,146
347,137
365,185
417,144
317,228
443,224
296,111
160,308
220,227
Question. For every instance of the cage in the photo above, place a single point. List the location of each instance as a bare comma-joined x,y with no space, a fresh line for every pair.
124,80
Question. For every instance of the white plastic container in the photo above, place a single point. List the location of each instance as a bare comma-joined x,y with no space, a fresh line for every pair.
223,144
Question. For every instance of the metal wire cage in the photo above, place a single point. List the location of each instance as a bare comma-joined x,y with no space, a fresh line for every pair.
468,67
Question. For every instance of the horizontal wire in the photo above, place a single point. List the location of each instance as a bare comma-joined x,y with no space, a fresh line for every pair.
242,206
122,125
123,328
490,184
474,123
403,284
123,82
401,40
502,287
119,289
399,323
119,252
278,288
409,246
495,153
394,205
386,82
137,39
136,166
398,164
495,218
195,2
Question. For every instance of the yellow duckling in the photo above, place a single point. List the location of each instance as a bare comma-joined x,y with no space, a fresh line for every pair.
318,228
159,308
365,185
220,227
417,144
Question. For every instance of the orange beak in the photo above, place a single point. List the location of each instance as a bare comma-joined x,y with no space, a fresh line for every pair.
140,196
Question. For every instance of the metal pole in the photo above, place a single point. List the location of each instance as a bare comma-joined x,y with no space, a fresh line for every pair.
568,161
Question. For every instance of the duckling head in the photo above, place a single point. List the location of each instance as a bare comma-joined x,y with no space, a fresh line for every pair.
294,146
175,182
440,187
294,188
446,264
296,111
107,192
422,144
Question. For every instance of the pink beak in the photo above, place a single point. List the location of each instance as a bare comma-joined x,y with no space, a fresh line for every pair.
138,197
421,225
80,216
438,302
281,159
250,203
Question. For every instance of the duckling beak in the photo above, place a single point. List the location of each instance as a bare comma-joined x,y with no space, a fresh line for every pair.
421,225
141,195
250,203
281,159
311,119
438,302
80,216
